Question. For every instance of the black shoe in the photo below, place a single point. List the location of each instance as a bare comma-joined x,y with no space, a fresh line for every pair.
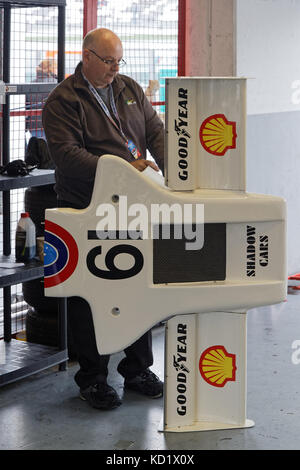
146,383
101,396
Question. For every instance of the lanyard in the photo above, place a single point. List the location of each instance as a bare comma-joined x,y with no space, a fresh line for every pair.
117,123
105,108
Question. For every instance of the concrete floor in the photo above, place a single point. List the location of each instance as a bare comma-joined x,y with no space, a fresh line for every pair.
44,412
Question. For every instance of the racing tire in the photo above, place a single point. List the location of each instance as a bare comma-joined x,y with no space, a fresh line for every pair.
36,201
42,328
33,294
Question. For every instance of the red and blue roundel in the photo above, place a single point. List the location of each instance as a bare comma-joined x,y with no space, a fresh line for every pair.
60,254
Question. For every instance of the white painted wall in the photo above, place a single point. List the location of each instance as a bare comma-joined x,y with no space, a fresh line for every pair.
268,49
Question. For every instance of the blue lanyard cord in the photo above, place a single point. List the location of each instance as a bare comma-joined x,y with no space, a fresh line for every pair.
117,123
105,108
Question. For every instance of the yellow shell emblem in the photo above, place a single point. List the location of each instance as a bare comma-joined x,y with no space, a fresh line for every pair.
217,366
217,134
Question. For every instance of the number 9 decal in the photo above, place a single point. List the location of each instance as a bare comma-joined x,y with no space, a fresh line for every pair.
113,272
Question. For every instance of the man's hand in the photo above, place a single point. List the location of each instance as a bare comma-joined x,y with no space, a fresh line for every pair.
142,164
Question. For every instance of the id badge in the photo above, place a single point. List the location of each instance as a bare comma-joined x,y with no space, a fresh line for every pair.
133,149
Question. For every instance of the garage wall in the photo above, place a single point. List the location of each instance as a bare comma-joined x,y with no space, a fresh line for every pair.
268,52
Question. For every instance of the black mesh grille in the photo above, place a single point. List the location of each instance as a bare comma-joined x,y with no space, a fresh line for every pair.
172,262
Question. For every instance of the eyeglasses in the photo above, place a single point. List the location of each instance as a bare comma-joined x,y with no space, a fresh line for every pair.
109,62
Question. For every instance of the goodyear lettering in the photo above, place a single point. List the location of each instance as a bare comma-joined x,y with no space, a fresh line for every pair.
180,127
182,93
181,329
179,363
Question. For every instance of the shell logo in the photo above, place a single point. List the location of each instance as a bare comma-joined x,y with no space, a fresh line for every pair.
217,366
217,134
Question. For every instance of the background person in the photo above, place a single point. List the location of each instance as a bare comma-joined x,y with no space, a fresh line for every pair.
46,71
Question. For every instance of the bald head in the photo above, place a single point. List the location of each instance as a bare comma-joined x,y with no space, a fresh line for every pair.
100,38
101,45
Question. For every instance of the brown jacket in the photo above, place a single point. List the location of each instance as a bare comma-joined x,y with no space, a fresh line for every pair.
78,132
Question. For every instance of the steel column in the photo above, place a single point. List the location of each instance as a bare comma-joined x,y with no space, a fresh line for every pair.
89,15
182,38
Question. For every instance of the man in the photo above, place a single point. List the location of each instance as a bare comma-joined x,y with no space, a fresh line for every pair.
93,112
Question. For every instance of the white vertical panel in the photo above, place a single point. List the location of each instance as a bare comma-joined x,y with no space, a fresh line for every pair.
206,133
206,395
221,102
225,403
268,36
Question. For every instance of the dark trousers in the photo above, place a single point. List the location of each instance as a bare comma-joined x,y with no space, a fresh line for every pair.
93,366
